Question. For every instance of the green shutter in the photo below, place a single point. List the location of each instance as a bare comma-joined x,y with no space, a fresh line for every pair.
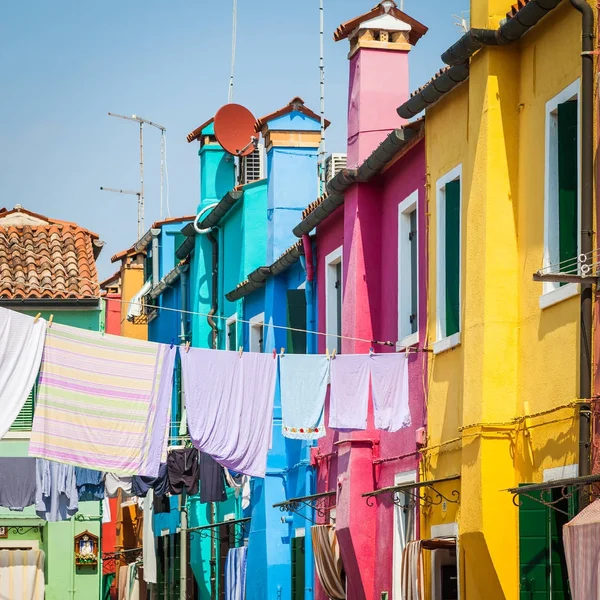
414,283
298,557
24,420
534,551
567,181
296,318
452,257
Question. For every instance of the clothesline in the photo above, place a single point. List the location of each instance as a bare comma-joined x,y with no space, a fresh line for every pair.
388,343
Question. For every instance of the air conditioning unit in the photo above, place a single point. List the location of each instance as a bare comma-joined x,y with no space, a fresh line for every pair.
334,163
253,167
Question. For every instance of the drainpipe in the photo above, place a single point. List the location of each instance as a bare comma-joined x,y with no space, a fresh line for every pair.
307,263
587,213
184,303
183,559
215,286
309,565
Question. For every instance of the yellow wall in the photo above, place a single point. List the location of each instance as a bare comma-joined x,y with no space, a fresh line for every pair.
514,359
132,280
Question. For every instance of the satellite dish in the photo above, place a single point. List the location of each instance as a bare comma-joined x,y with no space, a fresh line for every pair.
234,129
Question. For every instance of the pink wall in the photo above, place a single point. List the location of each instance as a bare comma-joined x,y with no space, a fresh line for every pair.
367,227
378,85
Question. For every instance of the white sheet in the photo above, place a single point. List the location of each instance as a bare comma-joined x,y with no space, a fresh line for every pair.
22,574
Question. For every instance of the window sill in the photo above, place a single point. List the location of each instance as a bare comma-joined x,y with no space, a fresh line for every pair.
17,435
555,296
409,340
447,343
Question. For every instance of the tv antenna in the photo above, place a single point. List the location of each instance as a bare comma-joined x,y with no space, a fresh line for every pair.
462,21
140,194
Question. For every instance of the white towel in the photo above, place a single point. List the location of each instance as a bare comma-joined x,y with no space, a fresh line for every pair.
21,346
349,403
148,539
389,381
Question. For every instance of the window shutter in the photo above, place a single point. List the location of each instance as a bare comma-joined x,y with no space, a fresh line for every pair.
296,318
24,420
298,557
534,550
414,283
567,181
452,257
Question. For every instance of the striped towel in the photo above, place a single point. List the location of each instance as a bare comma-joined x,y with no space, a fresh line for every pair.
103,402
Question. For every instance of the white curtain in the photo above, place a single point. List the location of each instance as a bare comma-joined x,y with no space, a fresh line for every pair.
21,575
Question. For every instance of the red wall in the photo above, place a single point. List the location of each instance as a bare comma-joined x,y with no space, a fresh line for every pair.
113,313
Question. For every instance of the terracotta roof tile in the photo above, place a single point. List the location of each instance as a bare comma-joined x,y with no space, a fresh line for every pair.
194,135
49,260
417,31
294,104
515,8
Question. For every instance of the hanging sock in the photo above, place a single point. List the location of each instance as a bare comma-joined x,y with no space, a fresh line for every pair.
389,381
21,347
303,382
56,497
103,401
17,483
349,403
229,403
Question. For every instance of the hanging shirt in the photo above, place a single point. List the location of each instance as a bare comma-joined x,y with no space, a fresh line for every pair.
140,485
17,482
90,484
103,401
240,485
212,480
389,381
56,496
303,382
229,403
349,400
235,573
184,471
113,482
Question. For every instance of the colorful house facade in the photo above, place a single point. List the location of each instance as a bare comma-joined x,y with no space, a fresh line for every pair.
49,267
503,153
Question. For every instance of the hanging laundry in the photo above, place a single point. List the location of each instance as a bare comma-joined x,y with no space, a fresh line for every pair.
103,401
184,471
303,381
22,574
149,540
235,573
229,401
349,400
123,586
389,382
412,572
17,482
113,482
21,347
240,484
328,561
90,484
162,504
140,485
56,496
212,480
106,512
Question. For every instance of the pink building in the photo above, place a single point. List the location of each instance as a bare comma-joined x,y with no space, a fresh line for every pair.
371,275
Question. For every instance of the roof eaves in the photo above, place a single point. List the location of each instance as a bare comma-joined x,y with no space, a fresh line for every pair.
169,279
194,135
221,209
296,104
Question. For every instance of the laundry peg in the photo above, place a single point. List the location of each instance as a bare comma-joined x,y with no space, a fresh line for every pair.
282,353
406,352
274,353
333,353
50,320
187,347
37,317
327,353
241,351
371,352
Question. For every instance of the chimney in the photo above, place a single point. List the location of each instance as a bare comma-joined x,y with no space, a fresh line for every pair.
217,167
380,41
291,136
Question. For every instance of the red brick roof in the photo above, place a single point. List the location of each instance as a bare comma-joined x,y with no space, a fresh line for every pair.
294,104
194,135
46,258
417,31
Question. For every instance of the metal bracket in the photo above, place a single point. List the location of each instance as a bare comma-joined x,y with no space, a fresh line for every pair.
321,504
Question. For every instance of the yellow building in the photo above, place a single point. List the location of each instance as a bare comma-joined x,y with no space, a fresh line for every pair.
503,143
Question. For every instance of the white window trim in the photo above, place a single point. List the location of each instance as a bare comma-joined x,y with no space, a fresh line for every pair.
331,261
255,323
405,477
230,321
17,435
302,286
557,295
405,208
563,472
548,298
444,342
445,530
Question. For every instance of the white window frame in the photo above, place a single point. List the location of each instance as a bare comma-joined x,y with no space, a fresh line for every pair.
256,323
398,547
230,321
552,292
444,342
405,209
331,322
446,530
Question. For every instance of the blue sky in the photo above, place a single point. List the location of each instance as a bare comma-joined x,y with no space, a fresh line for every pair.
66,63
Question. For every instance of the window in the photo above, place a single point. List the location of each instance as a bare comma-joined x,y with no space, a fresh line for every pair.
333,299
408,271
561,197
448,302
298,570
231,328
404,527
257,332
296,320
24,420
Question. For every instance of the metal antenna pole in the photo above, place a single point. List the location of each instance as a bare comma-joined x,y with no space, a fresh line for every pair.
233,44
141,207
128,193
162,170
322,90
